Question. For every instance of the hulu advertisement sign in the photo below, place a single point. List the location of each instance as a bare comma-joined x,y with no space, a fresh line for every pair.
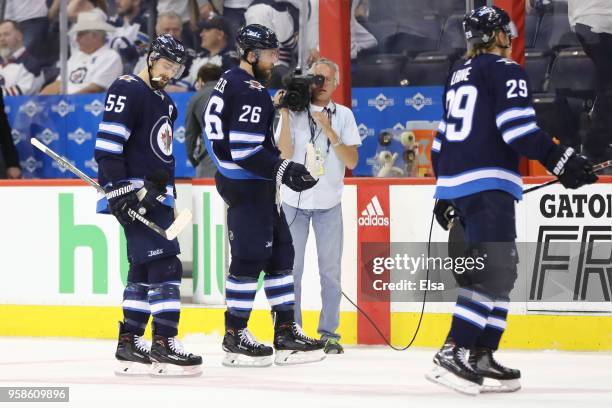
57,250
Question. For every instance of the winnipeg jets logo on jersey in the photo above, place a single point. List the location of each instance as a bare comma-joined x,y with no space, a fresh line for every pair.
254,85
161,139
127,78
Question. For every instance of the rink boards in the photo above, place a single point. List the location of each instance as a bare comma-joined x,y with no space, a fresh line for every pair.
63,273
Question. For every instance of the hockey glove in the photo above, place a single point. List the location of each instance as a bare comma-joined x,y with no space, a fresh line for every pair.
572,169
445,213
294,175
121,198
155,185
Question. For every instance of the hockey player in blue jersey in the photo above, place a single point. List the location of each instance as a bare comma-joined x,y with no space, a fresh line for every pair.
239,138
488,124
134,150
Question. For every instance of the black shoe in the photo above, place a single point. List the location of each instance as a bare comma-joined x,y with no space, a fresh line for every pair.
332,346
243,350
169,358
132,353
481,358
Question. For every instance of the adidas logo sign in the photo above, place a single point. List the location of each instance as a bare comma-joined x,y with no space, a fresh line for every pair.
373,215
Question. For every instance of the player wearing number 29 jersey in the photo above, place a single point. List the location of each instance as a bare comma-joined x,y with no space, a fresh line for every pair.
488,123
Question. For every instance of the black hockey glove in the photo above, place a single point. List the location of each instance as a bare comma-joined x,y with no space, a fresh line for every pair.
122,197
572,169
155,184
445,213
294,175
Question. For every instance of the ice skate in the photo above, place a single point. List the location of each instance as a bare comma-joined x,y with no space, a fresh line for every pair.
452,369
243,350
294,347
497,378
168,358
132,354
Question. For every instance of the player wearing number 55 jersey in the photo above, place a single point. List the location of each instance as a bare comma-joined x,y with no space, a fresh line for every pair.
488,125
239,138
134,150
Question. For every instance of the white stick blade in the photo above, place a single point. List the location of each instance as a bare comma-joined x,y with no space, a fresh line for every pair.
38,144
180,222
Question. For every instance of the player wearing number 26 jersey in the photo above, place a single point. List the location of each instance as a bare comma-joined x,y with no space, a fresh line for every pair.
239,138
488,125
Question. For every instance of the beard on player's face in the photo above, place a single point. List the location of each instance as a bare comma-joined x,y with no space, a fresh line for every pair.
262,71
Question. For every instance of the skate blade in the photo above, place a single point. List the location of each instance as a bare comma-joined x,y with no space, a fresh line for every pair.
173,370
240,360
440,375
494,385
132,368
290,357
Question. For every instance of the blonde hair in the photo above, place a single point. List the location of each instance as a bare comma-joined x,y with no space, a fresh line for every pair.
329,63
483,48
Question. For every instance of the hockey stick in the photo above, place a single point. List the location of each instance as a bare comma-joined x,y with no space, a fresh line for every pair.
180,222
598,167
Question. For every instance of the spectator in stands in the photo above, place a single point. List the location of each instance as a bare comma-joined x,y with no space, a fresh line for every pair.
75,7
330,130
361,38
214,34
282,17
170,23
208,74
95,66
233,12
188,12
592,21
207,11
130,37
9,159
19,73
32,17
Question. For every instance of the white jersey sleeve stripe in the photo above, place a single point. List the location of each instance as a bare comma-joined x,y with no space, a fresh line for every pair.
242,154
109,146
513,114
114,129
516,132
237,137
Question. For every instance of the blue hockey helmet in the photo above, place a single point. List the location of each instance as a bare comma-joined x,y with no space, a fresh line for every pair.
254,37
166,46
481,24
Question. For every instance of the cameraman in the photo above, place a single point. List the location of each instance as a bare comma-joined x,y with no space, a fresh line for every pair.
331,130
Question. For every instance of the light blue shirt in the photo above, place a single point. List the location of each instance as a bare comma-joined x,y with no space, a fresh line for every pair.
328,191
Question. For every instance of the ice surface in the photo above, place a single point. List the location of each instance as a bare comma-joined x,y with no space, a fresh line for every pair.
373,377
